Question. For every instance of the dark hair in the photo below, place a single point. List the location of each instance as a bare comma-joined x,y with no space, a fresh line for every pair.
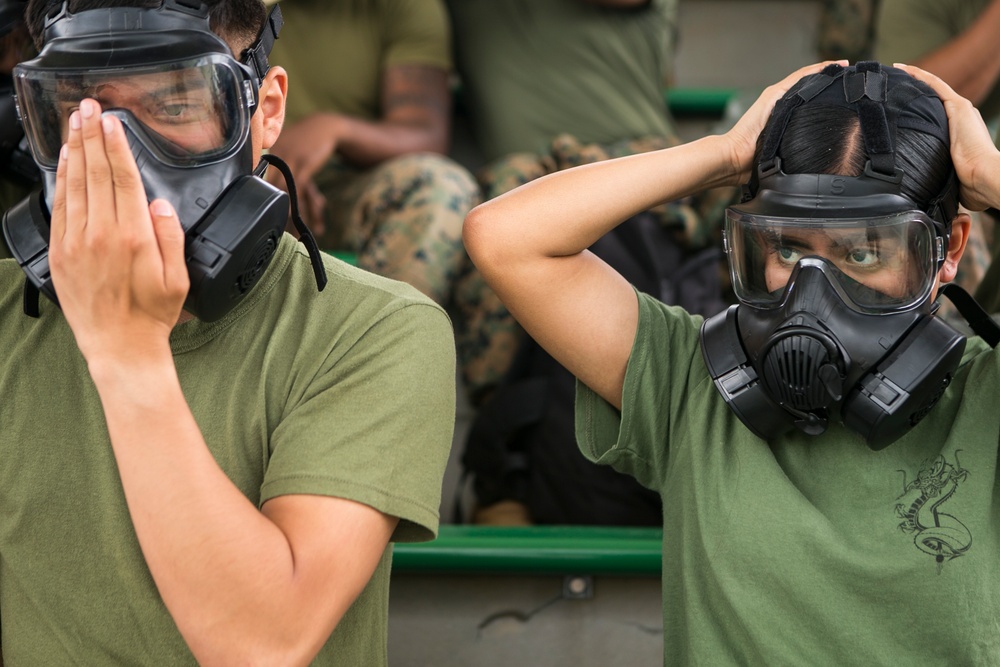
824,139
238,22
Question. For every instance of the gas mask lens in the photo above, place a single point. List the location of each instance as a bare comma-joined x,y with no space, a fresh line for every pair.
880,264
186,113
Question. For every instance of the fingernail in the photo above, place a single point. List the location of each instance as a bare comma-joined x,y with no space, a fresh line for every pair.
64,152
162,209
87,108
74,120
107,124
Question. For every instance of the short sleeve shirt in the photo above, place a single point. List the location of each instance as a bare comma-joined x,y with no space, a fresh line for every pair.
336,52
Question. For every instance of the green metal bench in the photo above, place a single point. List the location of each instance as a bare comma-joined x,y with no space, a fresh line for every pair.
535,550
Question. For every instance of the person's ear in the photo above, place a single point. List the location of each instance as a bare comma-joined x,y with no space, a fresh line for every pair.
271,106
960,228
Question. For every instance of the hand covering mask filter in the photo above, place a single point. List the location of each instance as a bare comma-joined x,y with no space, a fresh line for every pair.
834,276
185,104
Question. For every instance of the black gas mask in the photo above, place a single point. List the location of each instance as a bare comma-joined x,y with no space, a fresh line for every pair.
185,104
834,277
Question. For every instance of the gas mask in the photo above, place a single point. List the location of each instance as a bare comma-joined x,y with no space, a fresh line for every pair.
185,104
834,277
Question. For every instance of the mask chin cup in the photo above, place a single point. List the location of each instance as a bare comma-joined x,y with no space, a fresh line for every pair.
229,250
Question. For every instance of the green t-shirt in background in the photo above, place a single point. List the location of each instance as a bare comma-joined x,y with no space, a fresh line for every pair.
534,69
349,392
809,551
335,52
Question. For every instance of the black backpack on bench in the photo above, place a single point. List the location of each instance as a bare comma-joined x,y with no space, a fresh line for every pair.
521,445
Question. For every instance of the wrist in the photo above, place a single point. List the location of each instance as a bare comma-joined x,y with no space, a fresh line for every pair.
131,365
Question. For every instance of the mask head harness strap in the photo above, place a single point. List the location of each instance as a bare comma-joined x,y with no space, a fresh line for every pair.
884,98
257,53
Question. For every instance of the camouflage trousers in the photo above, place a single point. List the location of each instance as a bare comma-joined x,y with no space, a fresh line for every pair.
403,220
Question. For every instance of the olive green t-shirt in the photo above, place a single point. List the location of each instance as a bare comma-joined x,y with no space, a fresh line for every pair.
348,393
809,551
534,69
907,30
335,52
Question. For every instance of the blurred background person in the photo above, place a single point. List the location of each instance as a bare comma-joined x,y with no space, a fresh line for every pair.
547,85
366,134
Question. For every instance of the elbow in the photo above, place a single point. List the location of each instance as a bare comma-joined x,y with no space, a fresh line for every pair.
482,238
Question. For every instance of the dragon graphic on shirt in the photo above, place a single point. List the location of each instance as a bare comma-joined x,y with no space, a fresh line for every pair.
935,533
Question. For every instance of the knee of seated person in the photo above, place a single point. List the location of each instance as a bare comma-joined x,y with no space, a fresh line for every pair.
424,173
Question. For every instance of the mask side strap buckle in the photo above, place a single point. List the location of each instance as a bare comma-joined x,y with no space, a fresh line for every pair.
256,54
30,300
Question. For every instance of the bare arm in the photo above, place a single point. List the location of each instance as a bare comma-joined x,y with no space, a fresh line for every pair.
244,586
970,63
530,244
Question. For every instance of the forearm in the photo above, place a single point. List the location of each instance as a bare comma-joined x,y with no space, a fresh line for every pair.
970,63
564,213
367,143
225,571
529,246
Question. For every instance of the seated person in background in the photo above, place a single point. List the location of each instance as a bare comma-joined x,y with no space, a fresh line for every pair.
368,124
957,41
18,173
807,504
179,489
548,85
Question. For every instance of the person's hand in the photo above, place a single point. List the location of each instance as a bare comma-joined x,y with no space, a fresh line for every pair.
306,146
117,261
977,161
743,135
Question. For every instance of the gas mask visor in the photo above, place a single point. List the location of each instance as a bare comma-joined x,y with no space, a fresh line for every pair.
186,113
878,265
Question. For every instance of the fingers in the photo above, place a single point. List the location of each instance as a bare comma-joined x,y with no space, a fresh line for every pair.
170,240
130,206
100,191
75,167
944,91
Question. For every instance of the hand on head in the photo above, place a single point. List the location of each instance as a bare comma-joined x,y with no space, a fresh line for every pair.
976,159
743,135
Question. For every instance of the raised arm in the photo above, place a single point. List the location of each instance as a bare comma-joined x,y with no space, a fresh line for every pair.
530,244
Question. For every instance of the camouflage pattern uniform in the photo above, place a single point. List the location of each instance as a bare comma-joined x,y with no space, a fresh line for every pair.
403,219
